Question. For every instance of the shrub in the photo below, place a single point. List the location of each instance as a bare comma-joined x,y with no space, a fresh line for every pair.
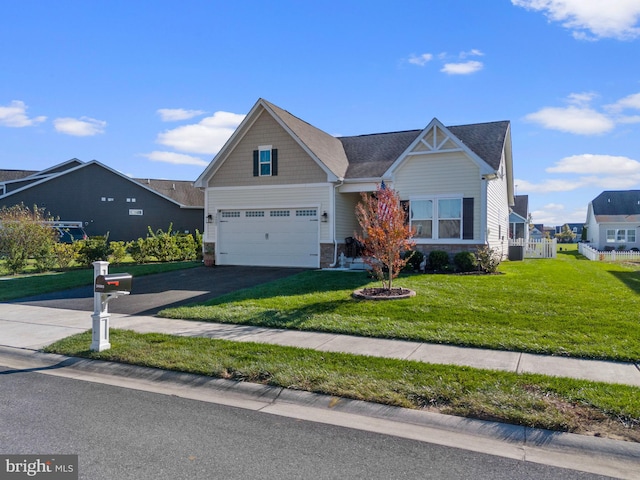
24,235
488,259
45,258
186,247
465,261
65,253
438,260
622,248
118,252
414,258
139,250
93,249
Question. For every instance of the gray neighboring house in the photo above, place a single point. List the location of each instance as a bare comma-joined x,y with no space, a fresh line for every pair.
519,218
576,228
105,200
613,220
282,192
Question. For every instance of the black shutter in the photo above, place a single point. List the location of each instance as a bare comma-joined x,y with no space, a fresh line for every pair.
274,162
467,218
404,204
256,166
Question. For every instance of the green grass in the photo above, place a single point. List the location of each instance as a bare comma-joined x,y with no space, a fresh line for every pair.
21,286
567,306
532,400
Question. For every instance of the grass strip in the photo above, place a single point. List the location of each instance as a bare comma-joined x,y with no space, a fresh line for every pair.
532,400
21,286
566,306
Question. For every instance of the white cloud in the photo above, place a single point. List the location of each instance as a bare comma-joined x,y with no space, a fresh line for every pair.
591,19
547,186
472,53
79,127
420,60
464,68
630,101
206,136
590,164
15,115
175,158
176,114
573,119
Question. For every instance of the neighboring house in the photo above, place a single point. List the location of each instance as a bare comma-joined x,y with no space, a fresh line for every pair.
576,228
537,232
613,220
519,219
281,192
105,200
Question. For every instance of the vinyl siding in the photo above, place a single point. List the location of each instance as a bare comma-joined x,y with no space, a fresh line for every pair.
441,174
346,222
498,214
317,196
295,166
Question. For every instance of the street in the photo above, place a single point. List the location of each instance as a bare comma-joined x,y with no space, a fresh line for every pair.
122,433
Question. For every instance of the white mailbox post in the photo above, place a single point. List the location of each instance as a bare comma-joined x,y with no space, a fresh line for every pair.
105,287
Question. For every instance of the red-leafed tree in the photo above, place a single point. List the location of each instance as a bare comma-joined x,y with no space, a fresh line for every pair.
385,233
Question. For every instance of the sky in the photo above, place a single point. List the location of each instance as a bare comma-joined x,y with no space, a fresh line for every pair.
153,89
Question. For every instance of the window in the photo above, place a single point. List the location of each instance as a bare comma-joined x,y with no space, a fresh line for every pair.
279,213
254,213
306,213
422,218
621,235
265,161
230,214
442,218
449,217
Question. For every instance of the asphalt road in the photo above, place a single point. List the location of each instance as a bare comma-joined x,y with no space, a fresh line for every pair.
130,434
152,293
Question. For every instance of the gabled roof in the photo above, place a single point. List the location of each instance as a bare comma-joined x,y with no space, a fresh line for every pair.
521,206
182,193
10,175
367,156
617,206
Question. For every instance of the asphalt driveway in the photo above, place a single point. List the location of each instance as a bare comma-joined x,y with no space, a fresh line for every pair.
152,293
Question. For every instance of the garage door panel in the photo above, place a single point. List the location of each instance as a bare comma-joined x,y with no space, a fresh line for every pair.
285,239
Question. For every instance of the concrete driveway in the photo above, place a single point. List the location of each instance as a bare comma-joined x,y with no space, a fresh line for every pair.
152,293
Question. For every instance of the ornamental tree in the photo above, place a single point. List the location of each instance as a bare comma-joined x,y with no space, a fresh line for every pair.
386,233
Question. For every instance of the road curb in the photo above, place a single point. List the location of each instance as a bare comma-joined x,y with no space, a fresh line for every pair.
264,396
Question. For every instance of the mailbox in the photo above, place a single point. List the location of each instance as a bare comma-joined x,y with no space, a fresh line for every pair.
113,283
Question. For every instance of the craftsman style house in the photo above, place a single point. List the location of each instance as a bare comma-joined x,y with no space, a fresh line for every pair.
613,220
281,192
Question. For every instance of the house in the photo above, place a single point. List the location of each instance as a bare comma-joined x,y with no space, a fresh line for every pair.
519,219
613,220
105,200
282,192
576,228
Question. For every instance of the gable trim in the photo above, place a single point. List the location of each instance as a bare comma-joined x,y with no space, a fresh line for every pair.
436,147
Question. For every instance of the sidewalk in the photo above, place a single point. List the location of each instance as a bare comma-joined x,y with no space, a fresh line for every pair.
29,327
26,329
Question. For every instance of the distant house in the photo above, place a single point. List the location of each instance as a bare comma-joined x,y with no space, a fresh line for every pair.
105,200
576,228
613,220
537,231
519,219
282,192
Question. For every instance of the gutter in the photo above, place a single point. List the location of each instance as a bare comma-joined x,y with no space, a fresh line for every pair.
333,221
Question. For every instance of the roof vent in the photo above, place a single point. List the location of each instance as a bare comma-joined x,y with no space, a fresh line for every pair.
173,186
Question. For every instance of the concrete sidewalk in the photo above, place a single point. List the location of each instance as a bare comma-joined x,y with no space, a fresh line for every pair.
30,327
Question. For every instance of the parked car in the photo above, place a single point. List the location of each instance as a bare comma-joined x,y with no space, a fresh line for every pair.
70,234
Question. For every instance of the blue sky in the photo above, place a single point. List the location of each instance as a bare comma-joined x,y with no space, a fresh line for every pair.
154,88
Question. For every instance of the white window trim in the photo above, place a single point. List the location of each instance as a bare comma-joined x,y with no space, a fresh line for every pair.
265,148
435,233
616,231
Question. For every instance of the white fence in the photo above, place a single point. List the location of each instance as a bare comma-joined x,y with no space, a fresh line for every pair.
543,248
598,256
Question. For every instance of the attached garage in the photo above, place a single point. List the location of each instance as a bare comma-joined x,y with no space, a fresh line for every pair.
283,237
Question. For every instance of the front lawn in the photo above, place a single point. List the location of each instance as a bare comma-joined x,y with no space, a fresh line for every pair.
566,306
533,400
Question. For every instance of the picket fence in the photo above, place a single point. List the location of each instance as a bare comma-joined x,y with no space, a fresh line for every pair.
541,248
612,256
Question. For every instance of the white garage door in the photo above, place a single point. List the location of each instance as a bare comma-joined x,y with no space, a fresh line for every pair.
264,237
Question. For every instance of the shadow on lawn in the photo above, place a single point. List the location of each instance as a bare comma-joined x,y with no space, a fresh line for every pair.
630,279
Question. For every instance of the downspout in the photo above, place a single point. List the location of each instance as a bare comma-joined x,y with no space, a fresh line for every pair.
333,221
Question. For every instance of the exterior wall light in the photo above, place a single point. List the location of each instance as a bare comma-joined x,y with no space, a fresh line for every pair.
209,218
324,217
